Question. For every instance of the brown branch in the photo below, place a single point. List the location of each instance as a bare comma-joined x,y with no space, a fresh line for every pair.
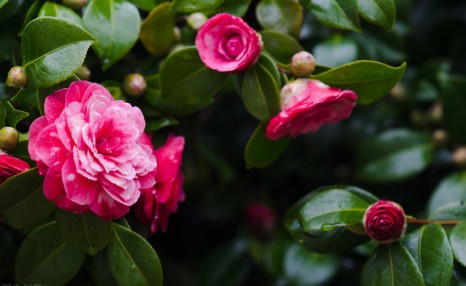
428,221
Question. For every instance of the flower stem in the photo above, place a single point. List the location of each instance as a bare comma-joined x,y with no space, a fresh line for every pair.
428,221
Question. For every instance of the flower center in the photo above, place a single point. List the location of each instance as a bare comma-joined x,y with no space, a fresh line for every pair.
234,46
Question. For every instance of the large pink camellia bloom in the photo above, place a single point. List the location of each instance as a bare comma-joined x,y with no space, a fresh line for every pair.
227,44
10,166
157,203
88,147
308,104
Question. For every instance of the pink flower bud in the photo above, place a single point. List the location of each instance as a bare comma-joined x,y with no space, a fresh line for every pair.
303,64
17,77
385,221
134,84
227,44
8,138
10,166
261,220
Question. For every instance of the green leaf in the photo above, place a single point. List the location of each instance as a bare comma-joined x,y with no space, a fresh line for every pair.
189,6
146,5
22,200
450,211
369,79
153,125
259,89
332,207
31,13
393,155
378,12
99,270
458,242
391,264
234,7
187,83
285,16
340,14
56,10
87,231
116,25
45,257
261,151
132,259
13,116
454,104
451,189
2,3
157,33
50,56
280,46
335,51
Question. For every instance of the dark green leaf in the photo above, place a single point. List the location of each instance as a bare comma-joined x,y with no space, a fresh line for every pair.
335,51
261,151
44,257
56,10
87,231
189,6
233,7
146,5
32,13
187,83
378,12
22,200
115,24
450,211
458,242
391,264
98,269
285,16
157,33
52,50
451,189
13,115
341,14
454,104
393,155
369,79
259,89
153,125
132,259
280,46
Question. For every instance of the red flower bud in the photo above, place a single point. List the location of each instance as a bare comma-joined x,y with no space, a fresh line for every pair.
10,166
385,221
260,219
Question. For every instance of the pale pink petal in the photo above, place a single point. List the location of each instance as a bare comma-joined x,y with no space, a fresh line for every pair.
78,189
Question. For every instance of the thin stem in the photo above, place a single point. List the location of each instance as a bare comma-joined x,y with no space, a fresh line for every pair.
429,221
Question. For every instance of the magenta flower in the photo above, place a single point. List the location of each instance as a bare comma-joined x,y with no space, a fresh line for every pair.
87,147
308,104
260,219
227,44
157,203
385,221
10,166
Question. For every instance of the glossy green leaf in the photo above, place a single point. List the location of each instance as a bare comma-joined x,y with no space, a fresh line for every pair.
87,231
233,7
22,200
190,6
153,125
116,25
450,211
369,79
187,83
340,14
2,3
132,259
285,16
157,33
50,56
391,264
379,12
458,242
454,104
335,51
31,13
452,189
146,5
280,46
56,10
13,115
99,270
259,89
261,151
393,155
332,207
45,257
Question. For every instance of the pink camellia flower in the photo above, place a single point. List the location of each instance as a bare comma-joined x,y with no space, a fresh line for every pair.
306,105
157,203
385,221
10,166
88,147
227,44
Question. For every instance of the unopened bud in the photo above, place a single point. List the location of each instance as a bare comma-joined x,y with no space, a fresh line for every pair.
459,156
74,4
385,221
261,220
440,137
134,85
302,64
8,138
398,92
436,112
177,33
196,20
17,77
83,73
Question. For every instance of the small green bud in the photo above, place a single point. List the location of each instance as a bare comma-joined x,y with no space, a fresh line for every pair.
74,4
83,73
303,64
196,20
177,33
8,138
17,77
134,85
